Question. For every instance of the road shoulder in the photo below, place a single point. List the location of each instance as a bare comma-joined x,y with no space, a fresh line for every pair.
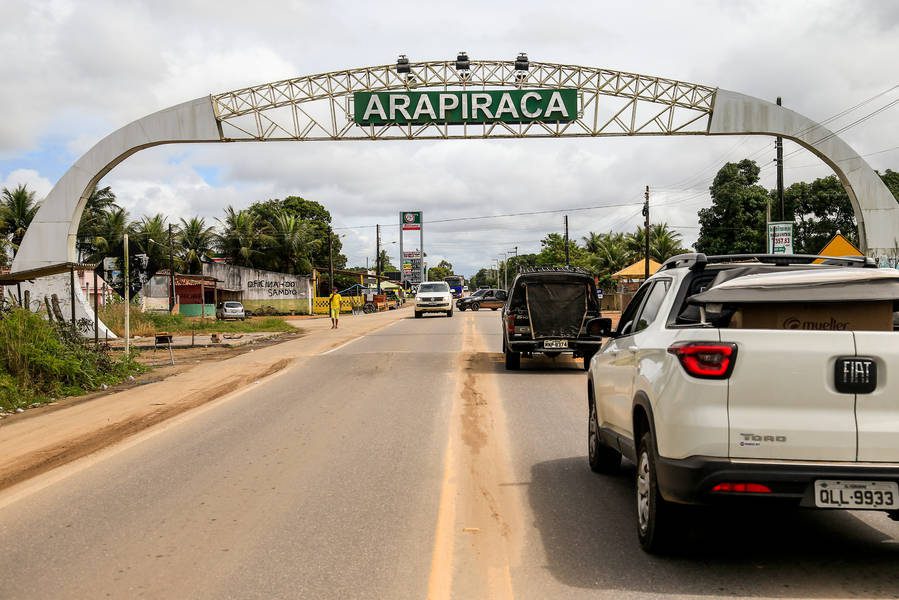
42,442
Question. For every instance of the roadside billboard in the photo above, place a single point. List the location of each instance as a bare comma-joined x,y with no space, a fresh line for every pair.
780,237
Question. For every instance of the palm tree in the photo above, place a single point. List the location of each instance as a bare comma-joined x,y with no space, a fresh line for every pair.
612,253
592,241
241,240
99,202
108,234
150,236
17,209
195,243
664,242
290,240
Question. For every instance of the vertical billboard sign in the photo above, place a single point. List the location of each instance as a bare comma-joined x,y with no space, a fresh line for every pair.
412,270
780,237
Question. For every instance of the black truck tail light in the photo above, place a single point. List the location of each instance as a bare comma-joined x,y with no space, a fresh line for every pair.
706,360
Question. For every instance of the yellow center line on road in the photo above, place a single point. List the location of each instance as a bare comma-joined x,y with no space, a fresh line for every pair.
478,525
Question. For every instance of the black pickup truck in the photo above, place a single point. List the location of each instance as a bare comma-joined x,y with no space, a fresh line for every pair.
551,311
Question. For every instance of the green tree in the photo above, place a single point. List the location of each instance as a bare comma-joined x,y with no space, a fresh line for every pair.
552,253
241,239
150,236
611,253
819,209
108,234
195,244
386,265
293,243
443,269
664,242
316,223
592,241
99,202
17,209
735,223
483,278
891,179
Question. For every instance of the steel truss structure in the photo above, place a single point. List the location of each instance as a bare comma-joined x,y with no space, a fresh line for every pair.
319,107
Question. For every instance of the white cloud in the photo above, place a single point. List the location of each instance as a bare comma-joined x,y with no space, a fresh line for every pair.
41,186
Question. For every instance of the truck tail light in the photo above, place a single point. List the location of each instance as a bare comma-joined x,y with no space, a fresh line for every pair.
510,324
741,488
706,360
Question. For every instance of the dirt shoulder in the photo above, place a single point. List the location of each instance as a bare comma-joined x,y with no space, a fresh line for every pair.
42,439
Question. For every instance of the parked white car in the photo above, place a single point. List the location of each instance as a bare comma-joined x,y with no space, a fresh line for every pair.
433,296
230,310
762,378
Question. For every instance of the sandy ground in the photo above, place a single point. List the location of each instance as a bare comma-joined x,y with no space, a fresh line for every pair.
44,438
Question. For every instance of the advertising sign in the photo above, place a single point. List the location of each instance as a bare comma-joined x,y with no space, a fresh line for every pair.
449,107
411,268
411,221
780,237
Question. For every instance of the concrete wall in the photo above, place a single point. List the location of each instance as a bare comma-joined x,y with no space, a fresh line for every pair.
260,289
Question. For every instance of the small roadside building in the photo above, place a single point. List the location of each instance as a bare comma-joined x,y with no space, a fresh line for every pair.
195,295
627,281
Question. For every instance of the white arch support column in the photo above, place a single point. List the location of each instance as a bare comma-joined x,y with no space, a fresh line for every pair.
51,237
876,210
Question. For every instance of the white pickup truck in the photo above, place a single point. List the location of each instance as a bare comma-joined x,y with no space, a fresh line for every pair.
756,377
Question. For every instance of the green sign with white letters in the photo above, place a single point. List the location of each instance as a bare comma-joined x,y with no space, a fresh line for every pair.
465,107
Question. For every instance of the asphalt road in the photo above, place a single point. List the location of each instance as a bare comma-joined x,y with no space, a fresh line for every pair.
405,464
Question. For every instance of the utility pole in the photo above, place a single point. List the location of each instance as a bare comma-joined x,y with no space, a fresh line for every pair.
567,257
171,270
646,233
330,259
515,250
779,145
378,255
128,299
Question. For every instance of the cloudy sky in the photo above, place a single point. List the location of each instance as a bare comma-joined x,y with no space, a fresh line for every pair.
73,71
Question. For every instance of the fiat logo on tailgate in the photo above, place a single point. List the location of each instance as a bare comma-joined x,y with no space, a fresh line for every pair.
855,375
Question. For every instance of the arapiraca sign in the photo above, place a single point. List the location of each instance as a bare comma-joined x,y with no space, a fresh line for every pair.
465,107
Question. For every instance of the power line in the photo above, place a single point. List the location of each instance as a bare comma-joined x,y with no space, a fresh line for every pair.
499,216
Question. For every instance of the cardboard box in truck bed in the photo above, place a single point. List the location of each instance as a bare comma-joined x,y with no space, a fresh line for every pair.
818,316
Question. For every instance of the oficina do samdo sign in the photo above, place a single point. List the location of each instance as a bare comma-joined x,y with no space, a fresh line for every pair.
465,107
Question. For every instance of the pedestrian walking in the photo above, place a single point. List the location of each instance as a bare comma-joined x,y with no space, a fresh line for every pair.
334,307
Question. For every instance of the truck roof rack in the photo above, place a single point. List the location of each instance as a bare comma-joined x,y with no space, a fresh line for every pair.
697,261
552,269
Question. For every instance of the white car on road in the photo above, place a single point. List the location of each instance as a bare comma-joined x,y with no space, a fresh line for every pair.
752,378
434,296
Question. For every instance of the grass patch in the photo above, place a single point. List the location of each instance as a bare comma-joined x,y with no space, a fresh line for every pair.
146,324
40,361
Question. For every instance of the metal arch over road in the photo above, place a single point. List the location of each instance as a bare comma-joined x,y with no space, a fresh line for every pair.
319,107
